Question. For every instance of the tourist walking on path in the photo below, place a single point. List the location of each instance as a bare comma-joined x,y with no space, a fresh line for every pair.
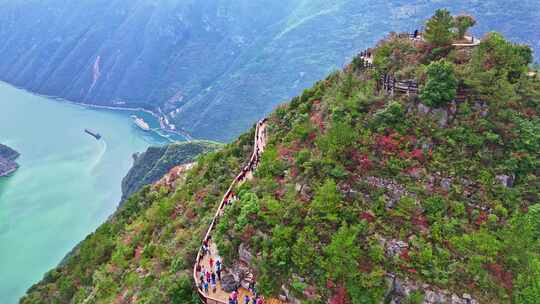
235,296
214,284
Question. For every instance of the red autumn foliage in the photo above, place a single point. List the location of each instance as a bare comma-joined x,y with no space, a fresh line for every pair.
285,153
248,233
362,161
311,137
138,252
279,193
365,266
505,278
370,218
412,270
403,154
482,218
388,143
405,255
418,154
420,220
173,215
340,297
317,119
288,153
200,195
190,213
413,171
294,172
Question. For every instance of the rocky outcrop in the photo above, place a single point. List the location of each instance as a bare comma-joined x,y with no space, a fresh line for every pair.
399,289
394,190
229,283
506,180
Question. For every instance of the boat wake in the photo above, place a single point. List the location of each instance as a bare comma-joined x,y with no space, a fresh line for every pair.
97,160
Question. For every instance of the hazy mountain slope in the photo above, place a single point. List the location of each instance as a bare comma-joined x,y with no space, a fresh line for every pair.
213,60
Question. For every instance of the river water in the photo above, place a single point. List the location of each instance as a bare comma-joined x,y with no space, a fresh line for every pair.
68,182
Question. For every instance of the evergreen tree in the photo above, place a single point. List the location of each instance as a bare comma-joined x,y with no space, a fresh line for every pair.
463,23
439,28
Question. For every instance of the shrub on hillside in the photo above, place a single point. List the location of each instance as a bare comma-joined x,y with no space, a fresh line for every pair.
441,85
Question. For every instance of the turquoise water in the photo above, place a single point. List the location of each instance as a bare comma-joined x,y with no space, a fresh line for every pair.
67,184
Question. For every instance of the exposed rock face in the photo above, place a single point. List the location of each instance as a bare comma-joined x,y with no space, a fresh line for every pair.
395,190
446,183
423,108
505,180
175,175
442,117
245,254
400,288
228,283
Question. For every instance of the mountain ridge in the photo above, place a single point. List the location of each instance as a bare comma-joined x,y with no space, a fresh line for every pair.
364,193
213,57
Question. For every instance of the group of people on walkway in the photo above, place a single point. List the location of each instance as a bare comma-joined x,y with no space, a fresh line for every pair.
208,278
210,275
233,299
260,139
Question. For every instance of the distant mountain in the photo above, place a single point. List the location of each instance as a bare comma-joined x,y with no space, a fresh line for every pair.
7,160
210,67
151,165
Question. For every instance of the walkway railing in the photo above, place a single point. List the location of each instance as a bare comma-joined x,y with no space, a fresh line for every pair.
239,178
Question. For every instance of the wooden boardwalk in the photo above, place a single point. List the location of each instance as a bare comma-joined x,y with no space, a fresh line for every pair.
219,296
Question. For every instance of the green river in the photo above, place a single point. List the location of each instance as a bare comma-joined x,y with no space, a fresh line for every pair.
68,182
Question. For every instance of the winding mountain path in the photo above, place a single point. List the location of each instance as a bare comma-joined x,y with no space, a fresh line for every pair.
219,296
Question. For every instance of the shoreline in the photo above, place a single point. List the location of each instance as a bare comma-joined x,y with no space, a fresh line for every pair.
159,118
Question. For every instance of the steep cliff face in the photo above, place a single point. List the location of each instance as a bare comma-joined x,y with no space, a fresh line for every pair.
212,63
7,160
152,164
366,192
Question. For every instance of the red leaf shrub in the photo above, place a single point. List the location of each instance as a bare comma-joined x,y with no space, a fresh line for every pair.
505,278
366,215
418,154
340,297
388,144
